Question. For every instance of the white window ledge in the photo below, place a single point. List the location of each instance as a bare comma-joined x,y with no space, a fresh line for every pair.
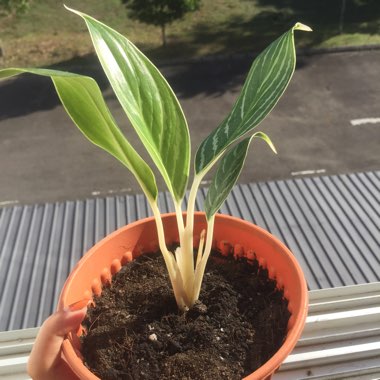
341,339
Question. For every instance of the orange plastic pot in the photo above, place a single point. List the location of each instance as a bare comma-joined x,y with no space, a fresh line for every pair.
106,258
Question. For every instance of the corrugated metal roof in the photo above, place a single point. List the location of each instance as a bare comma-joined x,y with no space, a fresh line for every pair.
331,224
341,339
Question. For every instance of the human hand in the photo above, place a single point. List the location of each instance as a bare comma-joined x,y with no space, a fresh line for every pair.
45,361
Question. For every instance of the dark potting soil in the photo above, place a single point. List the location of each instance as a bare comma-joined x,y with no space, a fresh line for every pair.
136,331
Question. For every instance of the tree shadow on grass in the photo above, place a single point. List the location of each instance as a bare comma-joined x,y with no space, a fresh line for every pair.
328,18
235,43
238,44
30,93
211,76
239,40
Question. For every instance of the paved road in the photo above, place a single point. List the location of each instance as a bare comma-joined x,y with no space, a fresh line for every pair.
43,157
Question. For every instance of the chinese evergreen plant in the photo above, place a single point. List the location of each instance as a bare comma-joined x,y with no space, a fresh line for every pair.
157,117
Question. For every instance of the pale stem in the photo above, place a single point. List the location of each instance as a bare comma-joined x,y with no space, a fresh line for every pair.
191,202
178,257
200,248
210,235
179,216
160,228
193,193
186,240
171,264
181,228
184,255
194,189
201,266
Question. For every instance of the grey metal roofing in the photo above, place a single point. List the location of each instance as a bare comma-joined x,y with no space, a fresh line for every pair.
331,224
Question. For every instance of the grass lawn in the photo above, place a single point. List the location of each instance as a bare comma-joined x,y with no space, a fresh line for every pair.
48,34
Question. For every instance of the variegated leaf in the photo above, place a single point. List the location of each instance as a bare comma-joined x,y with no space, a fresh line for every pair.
83,101
267,80
228,173
149,102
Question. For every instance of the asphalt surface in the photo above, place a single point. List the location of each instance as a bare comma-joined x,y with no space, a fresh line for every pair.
328,122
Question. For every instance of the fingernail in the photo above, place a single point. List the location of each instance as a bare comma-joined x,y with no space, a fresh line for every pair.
77,305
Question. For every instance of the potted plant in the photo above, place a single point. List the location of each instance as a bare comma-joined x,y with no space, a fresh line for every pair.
156,116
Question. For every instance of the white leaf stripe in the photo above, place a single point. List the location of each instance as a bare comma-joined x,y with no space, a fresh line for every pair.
159,109
251,74
260,93
134,83
270,98
228,173
225,177
251,89
260,62
277,55
264,81
268,103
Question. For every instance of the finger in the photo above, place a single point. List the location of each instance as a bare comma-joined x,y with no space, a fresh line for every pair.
47,347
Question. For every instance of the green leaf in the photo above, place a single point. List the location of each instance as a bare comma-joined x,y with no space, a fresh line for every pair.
228,173
148,101
266,82
83,101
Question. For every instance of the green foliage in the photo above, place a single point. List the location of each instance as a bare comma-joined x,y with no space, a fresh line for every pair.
157,117
149,102
45,35
8,7
266,82
83,101
228,173
160,12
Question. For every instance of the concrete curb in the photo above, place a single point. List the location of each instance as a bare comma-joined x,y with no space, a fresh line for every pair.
252,55
236,57
338,49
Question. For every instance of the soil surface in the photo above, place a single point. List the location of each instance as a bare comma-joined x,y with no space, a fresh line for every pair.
135,331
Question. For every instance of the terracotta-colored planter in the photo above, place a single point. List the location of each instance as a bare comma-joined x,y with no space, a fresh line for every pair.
106,258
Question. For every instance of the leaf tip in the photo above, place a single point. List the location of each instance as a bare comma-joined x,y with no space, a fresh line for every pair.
72,10
303,27
271,145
